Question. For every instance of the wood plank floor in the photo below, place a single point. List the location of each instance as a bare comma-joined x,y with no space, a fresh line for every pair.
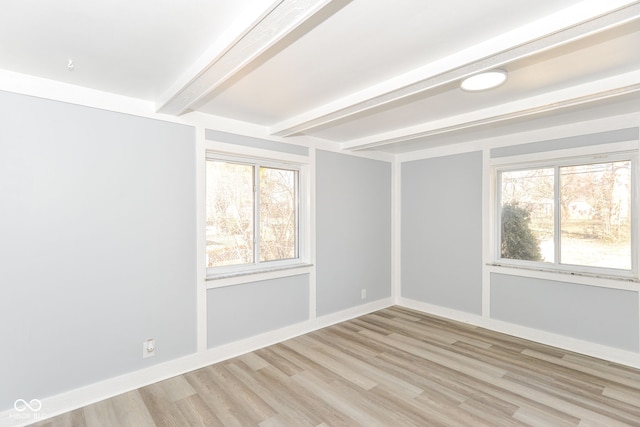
394,367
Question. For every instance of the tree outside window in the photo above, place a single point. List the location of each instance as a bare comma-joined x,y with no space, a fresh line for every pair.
252,213
575,214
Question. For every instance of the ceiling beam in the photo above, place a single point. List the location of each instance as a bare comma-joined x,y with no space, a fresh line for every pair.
586,18
581,94
245,43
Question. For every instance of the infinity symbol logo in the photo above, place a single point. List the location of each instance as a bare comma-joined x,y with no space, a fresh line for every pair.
22,405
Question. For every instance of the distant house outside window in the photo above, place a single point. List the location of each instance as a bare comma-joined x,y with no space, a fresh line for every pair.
572,214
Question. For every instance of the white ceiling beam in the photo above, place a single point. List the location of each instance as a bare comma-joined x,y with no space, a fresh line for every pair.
581,20
250,37
581,94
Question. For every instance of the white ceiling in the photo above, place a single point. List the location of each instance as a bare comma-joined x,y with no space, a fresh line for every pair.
364,74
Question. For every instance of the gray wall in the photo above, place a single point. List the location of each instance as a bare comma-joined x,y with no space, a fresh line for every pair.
600,315
441,253
247,141
97,245
98,249
353,229
242,311
441,246
607,137
604,316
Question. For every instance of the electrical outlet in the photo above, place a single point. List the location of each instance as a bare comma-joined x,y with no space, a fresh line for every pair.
363,294
148,348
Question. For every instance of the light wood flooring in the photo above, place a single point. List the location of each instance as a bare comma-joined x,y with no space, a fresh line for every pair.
394,367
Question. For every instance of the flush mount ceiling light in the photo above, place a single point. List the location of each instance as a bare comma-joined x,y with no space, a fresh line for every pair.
484,81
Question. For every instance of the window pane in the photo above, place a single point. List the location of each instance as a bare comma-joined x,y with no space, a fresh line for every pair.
527,215
229,214
278,217
595,203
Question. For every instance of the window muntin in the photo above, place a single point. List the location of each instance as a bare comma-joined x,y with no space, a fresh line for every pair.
252,215
573,215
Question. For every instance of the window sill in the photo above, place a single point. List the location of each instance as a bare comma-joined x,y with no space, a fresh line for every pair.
239,277
584,276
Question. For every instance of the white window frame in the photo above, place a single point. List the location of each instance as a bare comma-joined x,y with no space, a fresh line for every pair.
258,266
598,154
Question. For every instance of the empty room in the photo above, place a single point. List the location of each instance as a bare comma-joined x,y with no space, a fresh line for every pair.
319,213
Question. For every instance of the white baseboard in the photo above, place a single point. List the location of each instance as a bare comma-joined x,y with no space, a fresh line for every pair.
92,393
96,392
599,351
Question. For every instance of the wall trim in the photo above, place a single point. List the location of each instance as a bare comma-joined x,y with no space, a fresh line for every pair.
77,398
51,90
587,348
567,130
22,84
201,238
396,230
487,231
96,392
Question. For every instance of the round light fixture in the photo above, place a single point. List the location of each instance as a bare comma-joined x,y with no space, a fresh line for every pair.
484,81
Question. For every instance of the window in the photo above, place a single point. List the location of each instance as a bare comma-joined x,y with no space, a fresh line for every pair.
252,215
573,214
